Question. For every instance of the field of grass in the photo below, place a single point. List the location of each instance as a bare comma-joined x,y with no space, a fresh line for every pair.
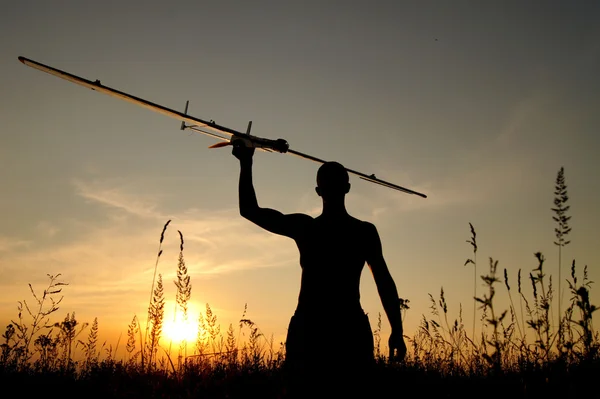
519,353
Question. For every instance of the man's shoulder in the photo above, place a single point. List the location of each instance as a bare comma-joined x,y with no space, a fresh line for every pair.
365,227
299,217
363,223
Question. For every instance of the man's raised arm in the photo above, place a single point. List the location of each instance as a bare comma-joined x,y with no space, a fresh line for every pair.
247,195
269,219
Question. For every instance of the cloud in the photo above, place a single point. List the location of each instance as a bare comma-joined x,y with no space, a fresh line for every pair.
503,164
486,174
109,261
47,229
529,111
117,193
123,249
125,252
216,242
442,192
8,244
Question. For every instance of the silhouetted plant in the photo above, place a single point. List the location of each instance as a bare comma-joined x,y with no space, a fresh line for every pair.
47,347
487,303
539,317
473,242
438,344
184,287
212,328
8,346
581,299
512,305
25,333
521,299
150,303
157,313
132,330
561,230
184,293
252,352
377,338
231,345
90,351
404,307
68,331
202,336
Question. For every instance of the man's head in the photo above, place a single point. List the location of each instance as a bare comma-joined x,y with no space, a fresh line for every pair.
332,180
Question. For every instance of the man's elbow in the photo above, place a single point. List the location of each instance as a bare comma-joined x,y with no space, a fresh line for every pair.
248,212
245,213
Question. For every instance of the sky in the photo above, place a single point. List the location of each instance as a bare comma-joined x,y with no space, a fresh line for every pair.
476,104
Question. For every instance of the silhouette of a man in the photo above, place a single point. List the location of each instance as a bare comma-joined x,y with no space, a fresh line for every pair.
334,248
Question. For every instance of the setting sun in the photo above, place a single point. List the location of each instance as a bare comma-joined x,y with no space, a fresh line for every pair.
176,329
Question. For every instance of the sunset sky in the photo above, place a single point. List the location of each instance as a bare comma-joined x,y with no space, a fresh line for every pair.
477,106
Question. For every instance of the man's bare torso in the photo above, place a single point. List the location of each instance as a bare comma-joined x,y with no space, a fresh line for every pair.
333,251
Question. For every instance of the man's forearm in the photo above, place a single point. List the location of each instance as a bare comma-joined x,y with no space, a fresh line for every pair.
247,196
391,305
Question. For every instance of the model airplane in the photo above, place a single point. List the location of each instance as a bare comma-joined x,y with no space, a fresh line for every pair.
226,135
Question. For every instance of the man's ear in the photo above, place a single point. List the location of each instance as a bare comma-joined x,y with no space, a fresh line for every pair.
318,190
347,188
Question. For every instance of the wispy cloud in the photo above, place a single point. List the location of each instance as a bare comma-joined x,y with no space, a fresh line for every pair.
486,173
47,229
525,114
215,242
500,165
111,262
440,193
117,193
10,244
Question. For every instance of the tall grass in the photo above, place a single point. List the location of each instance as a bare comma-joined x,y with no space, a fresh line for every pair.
243,361
473,261
518,352
184,293
561,230
152,291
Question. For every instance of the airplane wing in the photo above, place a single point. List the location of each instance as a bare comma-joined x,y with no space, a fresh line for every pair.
199,125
